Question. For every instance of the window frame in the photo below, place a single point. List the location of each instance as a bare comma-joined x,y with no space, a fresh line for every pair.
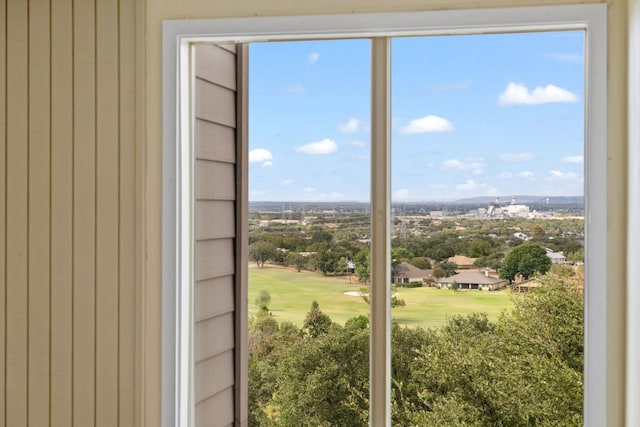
177,190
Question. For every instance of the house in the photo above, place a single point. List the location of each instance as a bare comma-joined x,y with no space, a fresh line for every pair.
407,273
463,262
86,333
556,257
472,280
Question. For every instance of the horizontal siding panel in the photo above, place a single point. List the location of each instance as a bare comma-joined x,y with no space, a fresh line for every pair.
213,375
215,142
214,219
215,103
214,258
217,411
216,65
213,297
213,336
214,181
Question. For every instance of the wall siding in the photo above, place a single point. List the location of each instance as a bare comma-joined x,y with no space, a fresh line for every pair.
215,228
68,212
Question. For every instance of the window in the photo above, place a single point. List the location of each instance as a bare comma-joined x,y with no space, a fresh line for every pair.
178,175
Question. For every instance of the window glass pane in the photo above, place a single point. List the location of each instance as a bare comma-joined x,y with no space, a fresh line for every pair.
309,233
487,247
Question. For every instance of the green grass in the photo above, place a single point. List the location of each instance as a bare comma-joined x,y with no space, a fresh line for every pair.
292,293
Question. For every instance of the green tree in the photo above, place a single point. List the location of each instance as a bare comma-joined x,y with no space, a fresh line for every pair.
479,248
525,260
262,251
445,269
421,262
316,323
297,260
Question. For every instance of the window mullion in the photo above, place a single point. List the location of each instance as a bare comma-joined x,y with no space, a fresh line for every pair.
380,344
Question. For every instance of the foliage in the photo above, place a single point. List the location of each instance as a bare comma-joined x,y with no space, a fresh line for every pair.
525,260
262,251
316,323
523,370
445,269
262,301
421,262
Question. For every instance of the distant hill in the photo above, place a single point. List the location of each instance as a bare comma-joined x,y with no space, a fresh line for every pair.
523,199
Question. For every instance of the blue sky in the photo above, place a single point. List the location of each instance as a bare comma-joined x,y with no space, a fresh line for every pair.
472,116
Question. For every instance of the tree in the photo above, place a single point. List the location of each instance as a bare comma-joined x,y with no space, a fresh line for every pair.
316,323
479,248
525,260
262,251
421,262
297,260
262,301
445,269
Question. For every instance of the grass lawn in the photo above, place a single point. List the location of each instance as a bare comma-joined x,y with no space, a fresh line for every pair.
292,293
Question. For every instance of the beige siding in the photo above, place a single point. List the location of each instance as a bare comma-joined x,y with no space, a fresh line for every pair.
215,230
3,192
68,208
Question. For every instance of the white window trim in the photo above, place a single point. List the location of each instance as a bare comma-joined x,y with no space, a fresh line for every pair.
177,210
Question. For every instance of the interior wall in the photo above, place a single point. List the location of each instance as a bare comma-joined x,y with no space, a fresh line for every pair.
68,212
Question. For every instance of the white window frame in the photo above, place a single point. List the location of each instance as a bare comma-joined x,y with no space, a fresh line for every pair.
177,205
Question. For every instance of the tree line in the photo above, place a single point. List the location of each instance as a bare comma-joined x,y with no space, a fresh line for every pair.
524,369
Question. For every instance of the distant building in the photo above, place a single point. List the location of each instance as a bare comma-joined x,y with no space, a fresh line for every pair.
472,280
556,257
463,262
406,273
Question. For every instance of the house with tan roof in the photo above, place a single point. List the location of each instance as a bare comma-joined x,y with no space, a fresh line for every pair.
472,280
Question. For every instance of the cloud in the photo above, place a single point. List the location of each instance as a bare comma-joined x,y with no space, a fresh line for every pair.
428,123
309,189
519,157
557,175
326,146
519,94
286,182
401,195
313,57
261,155
527,175
295,88
506,175
350,126
579,159
475,165
469,185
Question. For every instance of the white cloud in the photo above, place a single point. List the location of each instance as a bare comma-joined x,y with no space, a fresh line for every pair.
557,175
313,57
506,175
326,146
286,182
261,155
573,159
519,157
475,165
401,195
428,123
527,174
309,189
295,88
519,94
469,185
350,126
